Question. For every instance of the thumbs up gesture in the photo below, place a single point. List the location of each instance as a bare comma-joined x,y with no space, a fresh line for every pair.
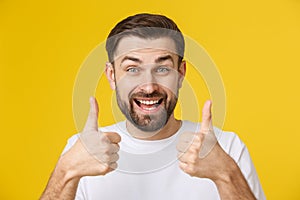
95,152
200,154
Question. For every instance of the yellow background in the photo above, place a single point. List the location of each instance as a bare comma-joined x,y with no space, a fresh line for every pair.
255,45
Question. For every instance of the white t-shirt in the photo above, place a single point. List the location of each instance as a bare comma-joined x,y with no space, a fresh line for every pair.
149,170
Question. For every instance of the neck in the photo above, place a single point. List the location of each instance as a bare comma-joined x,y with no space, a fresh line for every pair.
168,130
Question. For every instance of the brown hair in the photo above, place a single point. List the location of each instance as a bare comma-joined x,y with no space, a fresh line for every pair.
150,26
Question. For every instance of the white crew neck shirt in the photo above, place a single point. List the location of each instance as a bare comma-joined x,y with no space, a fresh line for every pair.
149,170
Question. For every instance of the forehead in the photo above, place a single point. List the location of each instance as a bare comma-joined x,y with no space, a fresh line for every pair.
133,44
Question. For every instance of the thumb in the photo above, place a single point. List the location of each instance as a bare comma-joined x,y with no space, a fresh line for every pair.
209,139
206,124
92,120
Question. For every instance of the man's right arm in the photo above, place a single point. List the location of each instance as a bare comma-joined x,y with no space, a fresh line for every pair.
60,185
93,154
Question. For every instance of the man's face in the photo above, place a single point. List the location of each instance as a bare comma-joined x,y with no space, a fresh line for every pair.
147,79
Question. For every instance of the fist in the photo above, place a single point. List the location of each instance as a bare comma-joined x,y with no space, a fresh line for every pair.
199,153
95,152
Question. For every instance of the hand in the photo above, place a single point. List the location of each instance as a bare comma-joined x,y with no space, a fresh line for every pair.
95,152
200,154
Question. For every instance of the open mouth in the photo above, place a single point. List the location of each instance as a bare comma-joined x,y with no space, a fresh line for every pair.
148,104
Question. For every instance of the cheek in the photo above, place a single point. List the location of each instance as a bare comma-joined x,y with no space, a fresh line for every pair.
128,82
170,81
170,85
171,96
124,89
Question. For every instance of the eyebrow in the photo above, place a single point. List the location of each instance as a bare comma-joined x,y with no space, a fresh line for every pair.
164,58
132,59
158,60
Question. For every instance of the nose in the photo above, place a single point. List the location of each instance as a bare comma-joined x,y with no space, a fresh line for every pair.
149,83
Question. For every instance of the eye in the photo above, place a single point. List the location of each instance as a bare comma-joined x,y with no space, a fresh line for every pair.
162,69
133,70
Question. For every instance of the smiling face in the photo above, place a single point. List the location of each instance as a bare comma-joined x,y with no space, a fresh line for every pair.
146,77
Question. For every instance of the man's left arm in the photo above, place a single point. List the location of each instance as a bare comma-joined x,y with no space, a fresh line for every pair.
217,165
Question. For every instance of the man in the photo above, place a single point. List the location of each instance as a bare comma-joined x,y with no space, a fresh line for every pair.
133,159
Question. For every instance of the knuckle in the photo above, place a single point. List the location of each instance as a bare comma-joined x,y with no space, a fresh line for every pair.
104,138
180,159
118,157
198,137
106,150
192,169
182,166
193,159
113,165
201,137
105,158
104,168
114,158
183,155
117,148
179,155
194,148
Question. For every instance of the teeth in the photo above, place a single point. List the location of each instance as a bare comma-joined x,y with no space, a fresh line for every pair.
148,102
149,108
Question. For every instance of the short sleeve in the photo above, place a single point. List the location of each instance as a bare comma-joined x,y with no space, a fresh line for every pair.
235,147
247,167
70,143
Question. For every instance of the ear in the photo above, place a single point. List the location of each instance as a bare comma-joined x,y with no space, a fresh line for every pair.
110,75
182,71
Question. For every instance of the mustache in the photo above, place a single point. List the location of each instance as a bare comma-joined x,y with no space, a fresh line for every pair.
148,95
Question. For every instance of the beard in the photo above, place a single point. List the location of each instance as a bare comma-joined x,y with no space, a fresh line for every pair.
148,122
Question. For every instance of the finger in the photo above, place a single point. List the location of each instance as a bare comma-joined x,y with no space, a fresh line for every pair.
182,157
193,143
113,166
206,124
114,148
114,158
182,146
188,157
187,136
197,142
108,158
185,140
113,137
183,165
105,158
92,120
